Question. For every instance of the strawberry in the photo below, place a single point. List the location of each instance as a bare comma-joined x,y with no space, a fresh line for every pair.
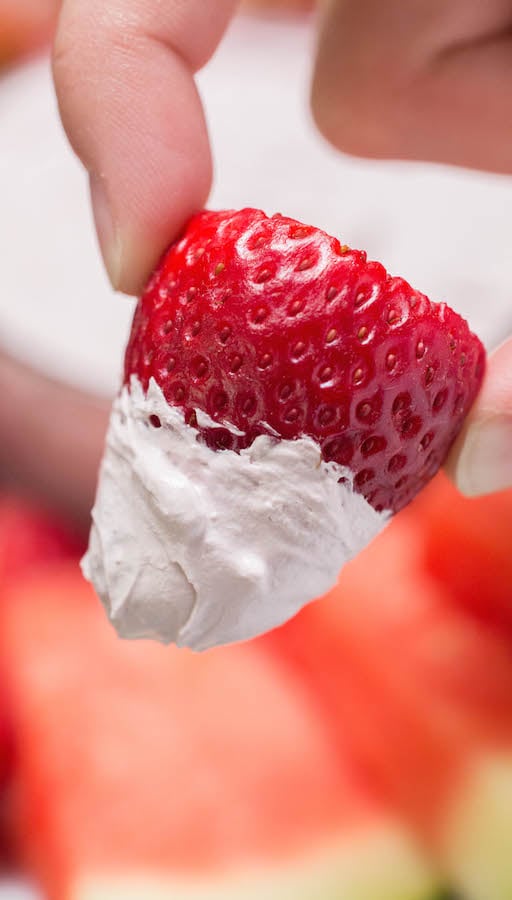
283,397
269,325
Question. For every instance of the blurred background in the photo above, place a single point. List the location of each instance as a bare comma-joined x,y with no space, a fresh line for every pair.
364,751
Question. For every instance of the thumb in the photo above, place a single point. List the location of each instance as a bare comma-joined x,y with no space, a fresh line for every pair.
481,459
124,77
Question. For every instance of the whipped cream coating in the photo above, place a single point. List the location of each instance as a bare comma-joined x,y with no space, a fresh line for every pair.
201,547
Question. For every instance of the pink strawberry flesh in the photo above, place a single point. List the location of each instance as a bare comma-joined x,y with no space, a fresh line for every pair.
271,325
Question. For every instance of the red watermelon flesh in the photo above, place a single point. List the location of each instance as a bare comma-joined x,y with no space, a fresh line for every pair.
425,695
151,772
467,549
30,539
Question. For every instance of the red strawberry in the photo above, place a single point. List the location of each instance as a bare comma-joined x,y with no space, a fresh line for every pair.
265,323
270,371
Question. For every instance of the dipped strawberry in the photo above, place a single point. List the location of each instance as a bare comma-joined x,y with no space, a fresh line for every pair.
283,398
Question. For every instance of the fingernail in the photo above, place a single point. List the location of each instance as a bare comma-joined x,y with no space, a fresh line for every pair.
485,461
109,238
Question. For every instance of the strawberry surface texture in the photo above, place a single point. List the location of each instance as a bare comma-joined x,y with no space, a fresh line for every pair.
273,327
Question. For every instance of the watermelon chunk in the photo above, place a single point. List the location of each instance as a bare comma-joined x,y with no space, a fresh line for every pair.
424,693
467,549
30,539
149,772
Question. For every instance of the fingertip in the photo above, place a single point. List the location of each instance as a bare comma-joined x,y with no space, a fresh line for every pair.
108,235
131,244
480,461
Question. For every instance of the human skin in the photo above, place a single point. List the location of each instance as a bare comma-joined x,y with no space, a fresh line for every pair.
51,440
25,24
393,79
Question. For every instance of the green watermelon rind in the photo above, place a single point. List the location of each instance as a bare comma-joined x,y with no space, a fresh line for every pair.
382,865
476,839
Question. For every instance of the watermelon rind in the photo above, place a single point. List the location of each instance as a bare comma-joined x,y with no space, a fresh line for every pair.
477,836
380,864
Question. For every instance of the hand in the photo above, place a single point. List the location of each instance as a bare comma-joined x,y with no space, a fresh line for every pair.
52,440
422,79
